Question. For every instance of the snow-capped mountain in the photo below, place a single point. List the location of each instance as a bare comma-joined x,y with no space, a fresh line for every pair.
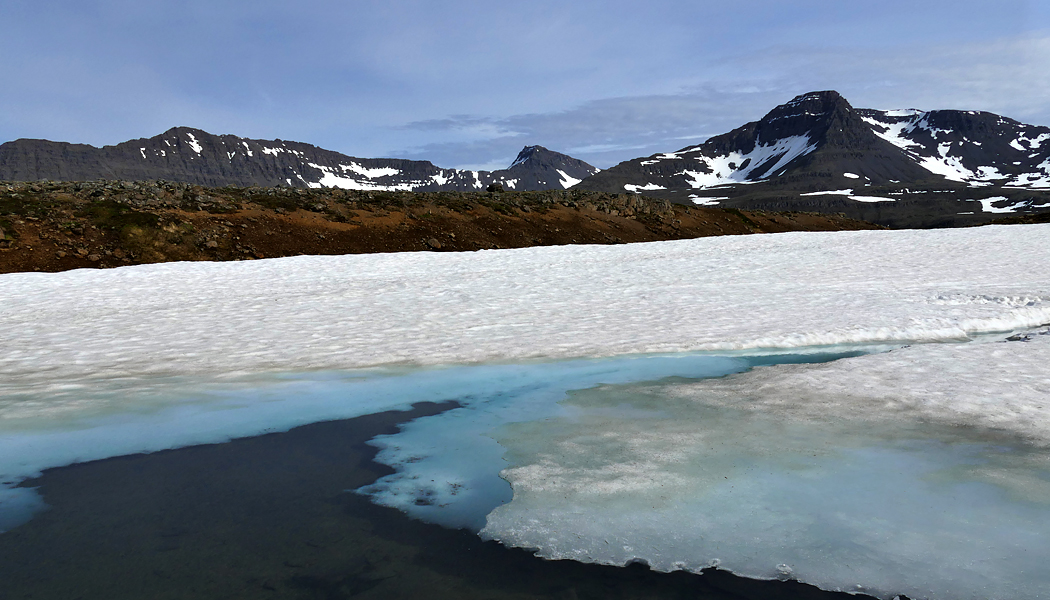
816,152
195,156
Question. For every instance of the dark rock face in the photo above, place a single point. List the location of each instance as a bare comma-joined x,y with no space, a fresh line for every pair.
901,168
197,157
816,137
537,168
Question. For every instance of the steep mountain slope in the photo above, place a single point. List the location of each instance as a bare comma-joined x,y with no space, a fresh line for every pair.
194,156
899,168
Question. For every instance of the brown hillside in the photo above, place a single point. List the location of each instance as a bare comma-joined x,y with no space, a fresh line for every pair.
59,226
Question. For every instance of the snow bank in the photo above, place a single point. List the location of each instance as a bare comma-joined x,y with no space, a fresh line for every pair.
66,332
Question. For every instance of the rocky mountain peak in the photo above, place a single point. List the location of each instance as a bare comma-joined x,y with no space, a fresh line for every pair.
813,115
538,166
528,153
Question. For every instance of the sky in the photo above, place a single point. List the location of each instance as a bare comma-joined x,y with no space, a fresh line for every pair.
467,84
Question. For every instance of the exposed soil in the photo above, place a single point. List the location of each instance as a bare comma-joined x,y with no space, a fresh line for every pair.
54,226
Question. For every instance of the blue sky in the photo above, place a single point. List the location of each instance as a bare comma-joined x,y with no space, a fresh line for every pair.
467,83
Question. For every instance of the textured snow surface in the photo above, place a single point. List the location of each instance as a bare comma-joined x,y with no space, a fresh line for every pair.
788,290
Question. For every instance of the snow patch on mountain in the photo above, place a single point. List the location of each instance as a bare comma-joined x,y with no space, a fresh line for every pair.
765,161
987,205
194,143
948,157
829,193
331,179
566,180
644,188
872,199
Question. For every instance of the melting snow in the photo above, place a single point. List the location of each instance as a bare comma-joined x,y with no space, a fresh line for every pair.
851,175
919,471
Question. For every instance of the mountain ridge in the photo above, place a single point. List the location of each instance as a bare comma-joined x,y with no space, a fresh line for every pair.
194,156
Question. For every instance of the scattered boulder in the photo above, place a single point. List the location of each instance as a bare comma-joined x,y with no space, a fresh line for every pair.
494,188
434,243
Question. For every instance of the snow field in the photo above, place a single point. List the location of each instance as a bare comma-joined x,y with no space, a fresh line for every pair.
67,332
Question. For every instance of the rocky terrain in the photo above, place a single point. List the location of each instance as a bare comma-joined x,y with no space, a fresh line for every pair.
193,156
55,226
901,168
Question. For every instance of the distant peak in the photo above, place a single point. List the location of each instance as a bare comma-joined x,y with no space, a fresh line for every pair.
526,153
824,96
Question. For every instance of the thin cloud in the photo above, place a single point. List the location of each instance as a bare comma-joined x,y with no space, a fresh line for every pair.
1010,77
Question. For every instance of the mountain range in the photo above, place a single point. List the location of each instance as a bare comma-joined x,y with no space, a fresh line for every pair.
902,168
193,156
905,168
